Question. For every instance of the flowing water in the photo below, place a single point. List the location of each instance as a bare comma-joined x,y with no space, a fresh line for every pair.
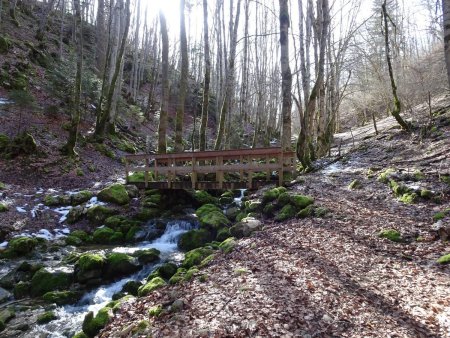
71,316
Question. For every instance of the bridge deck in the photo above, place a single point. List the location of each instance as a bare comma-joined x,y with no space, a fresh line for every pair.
225,169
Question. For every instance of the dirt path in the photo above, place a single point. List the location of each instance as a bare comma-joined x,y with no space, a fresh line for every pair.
327,277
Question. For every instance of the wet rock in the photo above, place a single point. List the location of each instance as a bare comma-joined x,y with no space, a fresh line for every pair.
152,285
120,264
194,239
196,256
46,317
115,193
22,245
51,279
62,297
75,214
107,235
131,287
147,256
89,266
81,197
132,190
232,212
98,213
92,325
56,200
22,290
245,227
4,295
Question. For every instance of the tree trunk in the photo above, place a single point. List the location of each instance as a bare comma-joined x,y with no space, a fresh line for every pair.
183,81
12,11
397,103
40,34
100,37
69,148
61,29
446,21
162,128
286,76
205,100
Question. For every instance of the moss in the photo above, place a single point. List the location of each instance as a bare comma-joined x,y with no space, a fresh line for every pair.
80,335
101,148
2,185
5,45
190,273
194,239
178,276
240,216
62,297
195,257
22,245
283,199
81,235
155,311
120,264
321,212
146,214
97,214
253,206
206,209
207,260
167,270
130,236
214,220
81,197
138,177
22,290
444,259
438,216
301,201
427,194
223,234
45,280
408,198
269,209
397,189
385,175
418,175
154,284
92,325
306,212
72,240
89,266
54,201
272,194
445,178
2,326
75,214
147,256
390,234
103,235
115,193
287,212
46,317
3,207
4,142
228,245
355,184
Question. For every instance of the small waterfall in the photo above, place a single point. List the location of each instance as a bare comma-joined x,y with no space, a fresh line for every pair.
71,316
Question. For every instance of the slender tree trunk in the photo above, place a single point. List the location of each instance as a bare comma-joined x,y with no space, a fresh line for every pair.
40,34
69,148
183,81
100,37
205,101
162,128
446,21
12,12
286,76
397,104
61,30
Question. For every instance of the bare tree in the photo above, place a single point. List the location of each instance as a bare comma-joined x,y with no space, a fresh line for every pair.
40,34
446,22
162,128
205,99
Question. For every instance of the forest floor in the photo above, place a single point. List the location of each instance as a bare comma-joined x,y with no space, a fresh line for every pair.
332,276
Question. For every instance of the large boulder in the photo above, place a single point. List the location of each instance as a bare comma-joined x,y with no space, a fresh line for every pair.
147,256
93,324
116,193
212,217
98,213
81,197
51,279
245,227
22,245
105,235
62,297
196,256
89,267
194,239
301,201
120,264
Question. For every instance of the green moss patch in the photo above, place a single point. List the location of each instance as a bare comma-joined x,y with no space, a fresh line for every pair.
301,201
62,297
107,235
390,234
355,184
147,256
444,259
46,280
46,317
272,194
155,311
3,207
194,239
92,325
195,257
115,193
22,245
154,284
228,245
97,214
287,212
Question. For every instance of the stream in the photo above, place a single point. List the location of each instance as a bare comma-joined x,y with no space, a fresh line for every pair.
70,317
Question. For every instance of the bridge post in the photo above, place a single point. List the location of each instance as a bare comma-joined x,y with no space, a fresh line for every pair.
147,167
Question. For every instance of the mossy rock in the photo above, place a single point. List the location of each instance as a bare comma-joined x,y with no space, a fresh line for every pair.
131,234
89,266
253,206
3,207
355,184
92,325
321,212
155,311
75,214
202,197
115,193
191,273
146,214
178,276
147,256
101,148
301,201
390,234
398,189
287,212
21,290
426,194
74,241
46,317
408,198
50,279
272,194
131,287
223,234
269,209
306,212
386,175
56,200
103,235
120,264
80,335
81,235
194,239
81,197
246,227
5,45
62,297
283,199
444,259
206,209
98,213
445,178
23,143
228,245
22,245
2,185
152,285
195,257
7,314
211,216
165,271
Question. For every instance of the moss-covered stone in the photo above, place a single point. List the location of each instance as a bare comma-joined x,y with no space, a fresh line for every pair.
155,311
50,279
62,297
72,240
21,290
22,245
426,194
178,276
103,235
194,239
390,234
147,256
75,214
301,201
115,193
398,189
120,264
131,287
46,317
98,213
246,227
287,212
438,216
408,198
272,194
444,259
202,197
131,234
214,220
283,199
206,209
80,335
386,175
355,184
191,273
195,257
92,325
3,207
253,206
89,266
146,214
81,197
56,200
223,234
152,285
2,185
228,245
321,212
306,212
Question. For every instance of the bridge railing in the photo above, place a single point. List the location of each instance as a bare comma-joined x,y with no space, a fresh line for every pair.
169,170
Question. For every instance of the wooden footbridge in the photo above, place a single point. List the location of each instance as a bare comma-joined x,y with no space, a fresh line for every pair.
225,169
